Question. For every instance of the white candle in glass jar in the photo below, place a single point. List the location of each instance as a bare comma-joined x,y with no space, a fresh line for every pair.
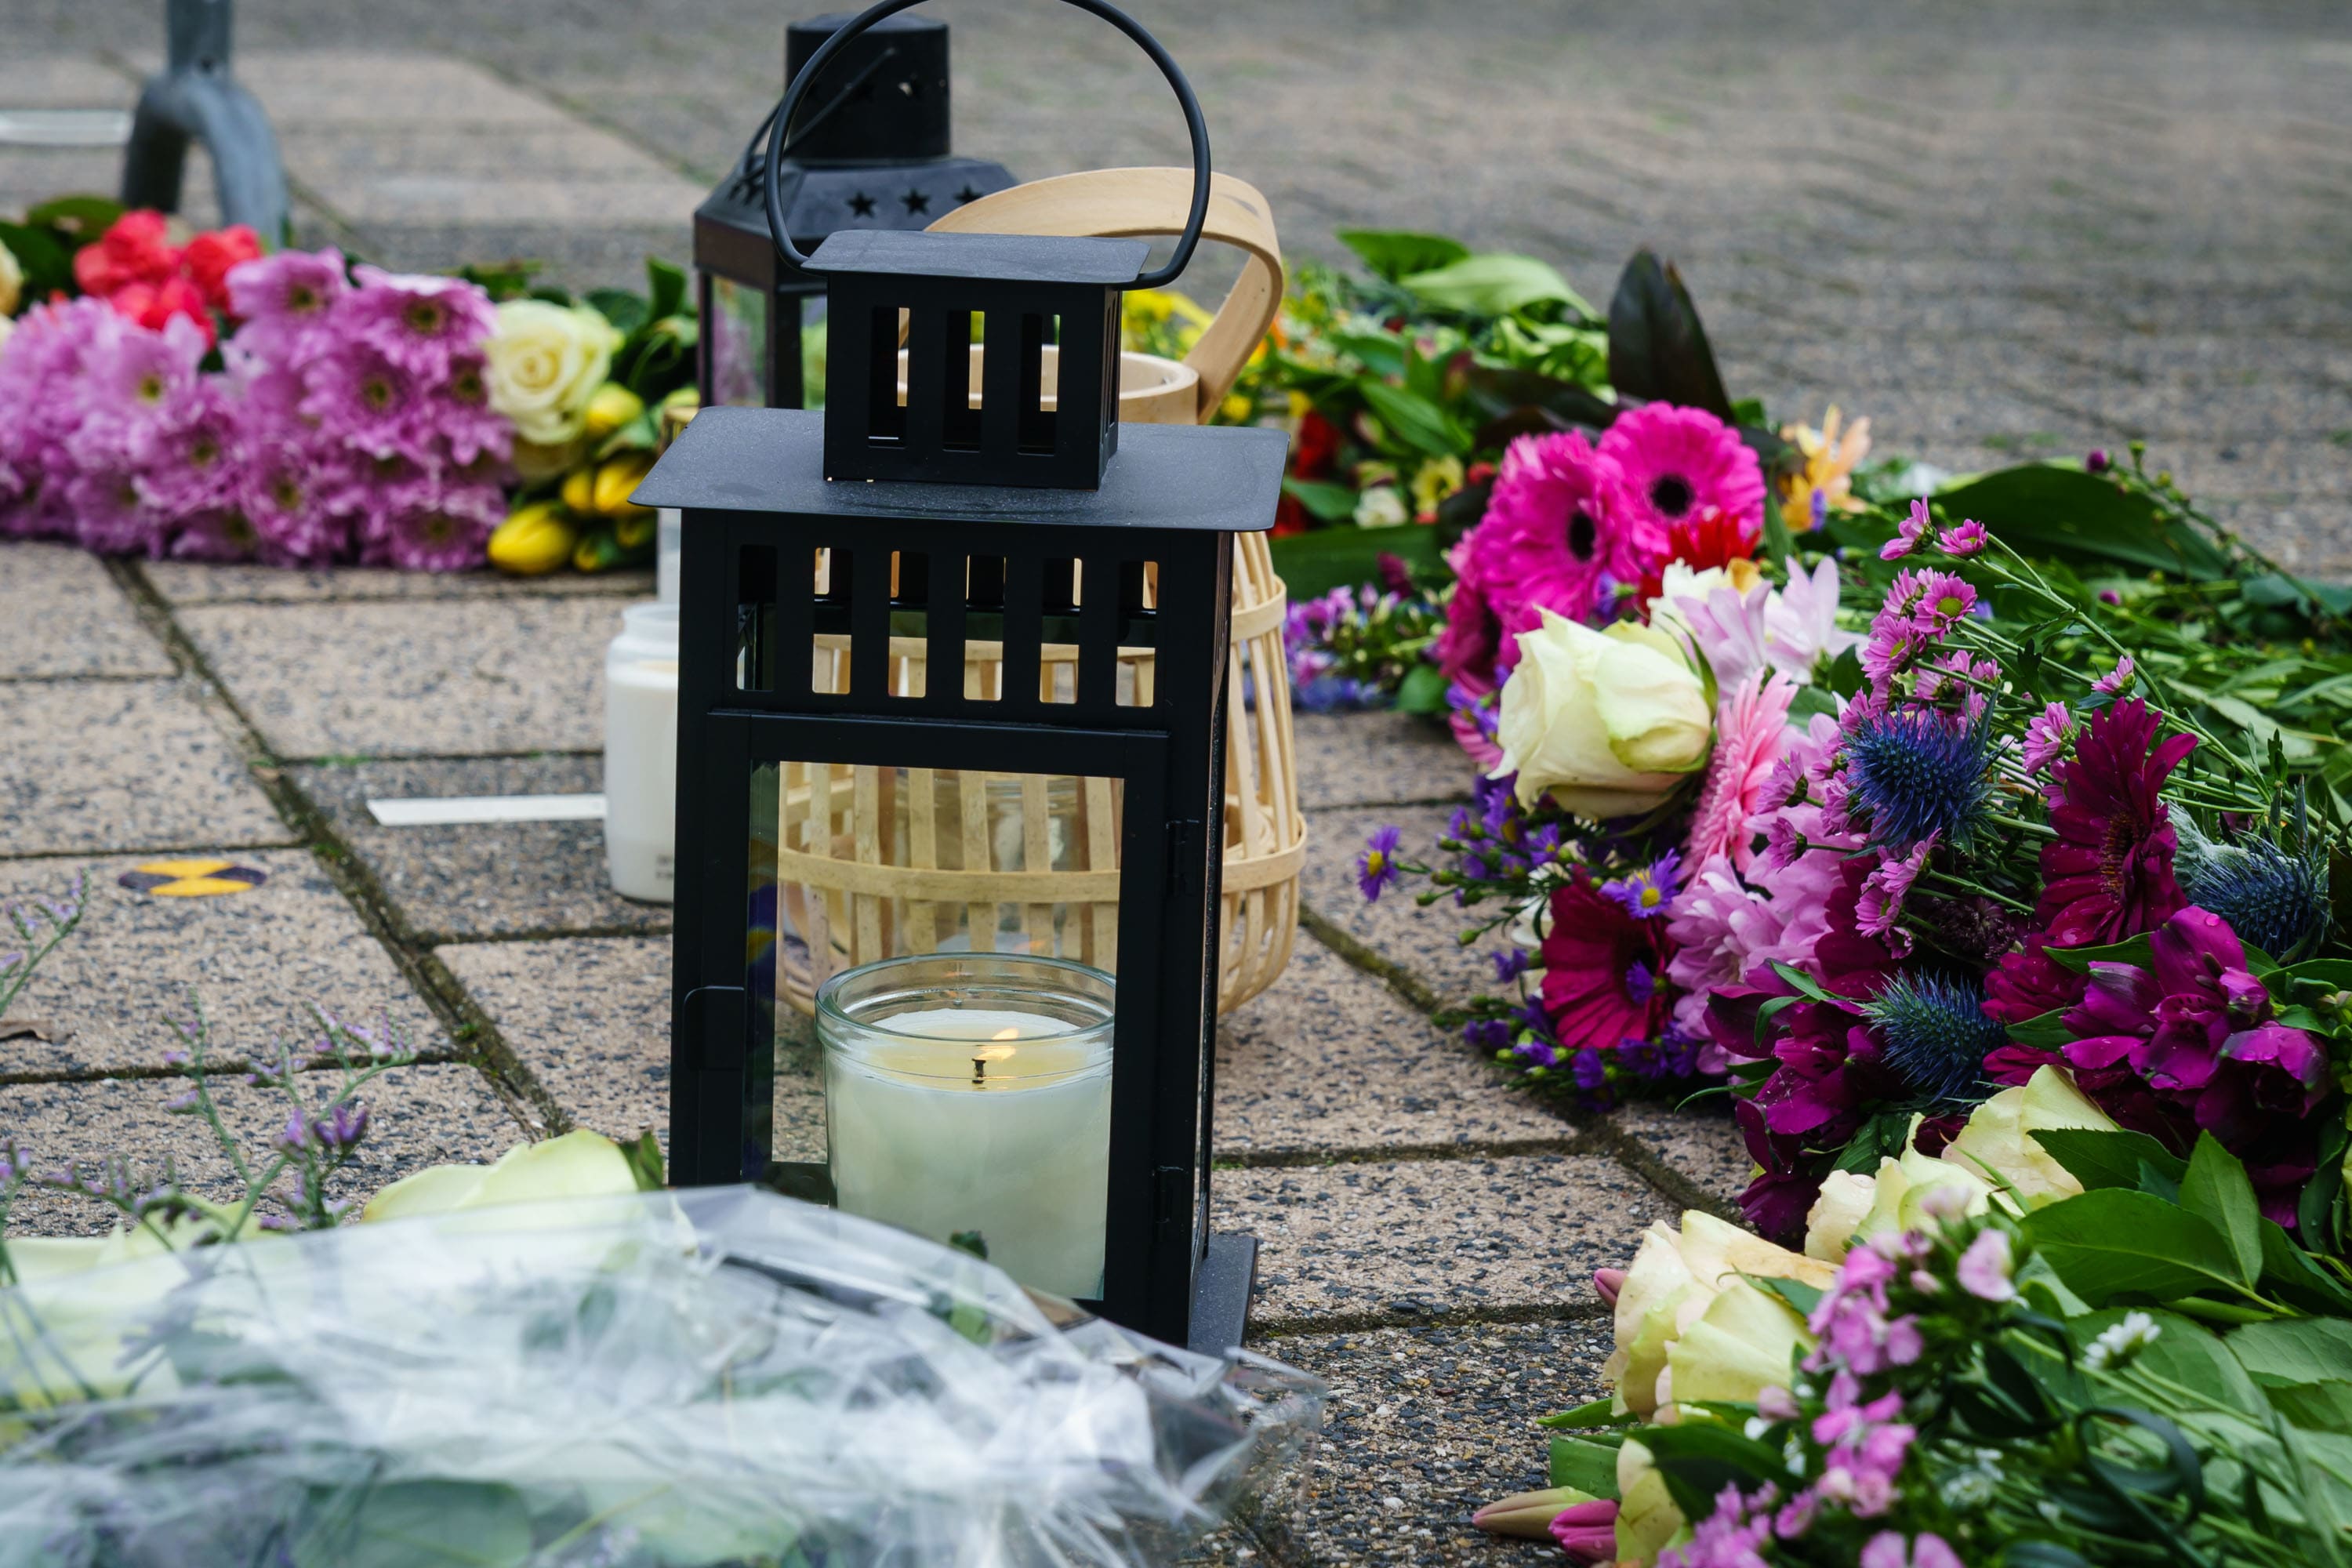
641,754
952,1120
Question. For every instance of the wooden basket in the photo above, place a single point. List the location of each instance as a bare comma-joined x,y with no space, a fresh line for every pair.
873,862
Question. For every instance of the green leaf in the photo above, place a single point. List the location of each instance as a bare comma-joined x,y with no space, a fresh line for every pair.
1806,985
83,218
626,310
2295,1350
1804,1298
2136,951
2057,509
2043,1031
1494,283
1779,543
2323,1406
665,287
1393,253
1315,563
46,261
645,1158
1382,353
2216,1190
1332,504
432,1524
2109,1159
2183,1351
1809,701
1699,1459
1423,691
2122,1242
1587,1466
1657,349
1416,421
1594,1412
1501,392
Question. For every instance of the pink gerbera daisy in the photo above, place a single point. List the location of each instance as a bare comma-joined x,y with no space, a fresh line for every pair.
1751,726
1549,536
1674,463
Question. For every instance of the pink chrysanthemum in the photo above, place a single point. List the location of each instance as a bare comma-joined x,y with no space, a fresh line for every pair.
1943,599
427,526
1879,913
2047,735
1968,539
360,398
1676,463
112,515
219,534
2116,681
1751,728
285,493
1549,536
417,323
1908,533
284,301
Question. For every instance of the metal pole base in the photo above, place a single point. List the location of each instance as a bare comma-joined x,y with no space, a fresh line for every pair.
195,99
1221,1294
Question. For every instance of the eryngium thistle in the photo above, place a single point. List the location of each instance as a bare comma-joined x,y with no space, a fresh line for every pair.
1935,1034
1918,772
2275,899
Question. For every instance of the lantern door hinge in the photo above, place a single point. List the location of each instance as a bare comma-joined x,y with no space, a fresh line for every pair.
718,1029
1183,855
1175,1198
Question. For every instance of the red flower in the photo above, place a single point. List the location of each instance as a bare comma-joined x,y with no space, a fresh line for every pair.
1289,517
1317,445
1604,971
1712,537
153,304
2109,873
134,251
209,258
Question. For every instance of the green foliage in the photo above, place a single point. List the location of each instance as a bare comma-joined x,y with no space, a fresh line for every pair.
1657,349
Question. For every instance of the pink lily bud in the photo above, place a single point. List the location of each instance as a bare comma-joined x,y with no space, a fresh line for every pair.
1587,1533
1529,1515
1607,1282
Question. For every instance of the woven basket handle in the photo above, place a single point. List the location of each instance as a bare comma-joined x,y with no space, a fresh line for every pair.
1120,203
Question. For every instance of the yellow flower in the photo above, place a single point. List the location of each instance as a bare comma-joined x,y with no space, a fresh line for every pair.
1744,1342
1606,721
580,491
1647,1519
1674,1278
533,541
581,1164
1437,479
1824,483
613,407
547,361
617,479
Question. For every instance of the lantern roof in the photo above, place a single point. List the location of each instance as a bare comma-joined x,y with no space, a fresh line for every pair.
1222,479
1006,257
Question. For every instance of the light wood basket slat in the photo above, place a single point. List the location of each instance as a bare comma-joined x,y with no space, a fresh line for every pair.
862,872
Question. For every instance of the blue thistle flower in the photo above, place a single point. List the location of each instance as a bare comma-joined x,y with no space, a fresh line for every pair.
1935,1034
1919,773
2275,899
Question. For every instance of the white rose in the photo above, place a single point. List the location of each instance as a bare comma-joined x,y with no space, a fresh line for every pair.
1382,506
546,361
12,285
1608,722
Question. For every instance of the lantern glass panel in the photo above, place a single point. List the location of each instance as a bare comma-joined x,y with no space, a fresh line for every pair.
739,343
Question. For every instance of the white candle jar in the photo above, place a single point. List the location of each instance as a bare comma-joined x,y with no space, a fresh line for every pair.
969,1094
641,754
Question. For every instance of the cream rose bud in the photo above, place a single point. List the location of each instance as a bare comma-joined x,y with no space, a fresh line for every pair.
12,285
547,362
1608,722
1998,1144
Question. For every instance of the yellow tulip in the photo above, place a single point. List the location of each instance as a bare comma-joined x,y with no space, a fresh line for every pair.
534,540
617,479
613,407
580,491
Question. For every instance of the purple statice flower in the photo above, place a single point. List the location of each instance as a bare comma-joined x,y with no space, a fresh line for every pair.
1983,1271
297,1133
340,1131
2047,735
1376,866
2116,681
1510,963
1732,1536
284,301
1672,1055
1645,892
1908,533
1857,1338
1640,981
1488,1034
420,323
1534,1051
1968,539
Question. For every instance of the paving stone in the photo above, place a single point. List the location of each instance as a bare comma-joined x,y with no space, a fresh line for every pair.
589,1017
198,583
1702,1143
403,680
424,1115
60,614
1330,1058
94,765
1371,759
1406,1238
1422,940
491,879
1421,1426
257,960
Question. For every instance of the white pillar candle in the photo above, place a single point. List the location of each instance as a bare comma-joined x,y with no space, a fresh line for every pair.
950,1120
641,754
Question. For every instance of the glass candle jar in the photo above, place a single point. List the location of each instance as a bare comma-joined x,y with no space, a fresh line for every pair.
969,1095
641,754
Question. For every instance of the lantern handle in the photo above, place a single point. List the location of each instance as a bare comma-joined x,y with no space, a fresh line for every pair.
780,130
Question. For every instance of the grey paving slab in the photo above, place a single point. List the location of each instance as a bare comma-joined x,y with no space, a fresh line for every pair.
257,960
487,881
60,614
1423,940
1371,759
1423,1425
589,1017
182,583
1429,1237
1329,1058
422,1115
1701,1142
404,679
90,765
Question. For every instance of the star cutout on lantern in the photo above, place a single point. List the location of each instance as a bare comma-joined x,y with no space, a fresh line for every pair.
862,205
916,201
967,193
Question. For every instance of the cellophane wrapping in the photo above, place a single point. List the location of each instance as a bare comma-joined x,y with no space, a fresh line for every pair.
719,1376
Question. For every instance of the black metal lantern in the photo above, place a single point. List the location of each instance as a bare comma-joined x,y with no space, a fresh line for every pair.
873,157
883,596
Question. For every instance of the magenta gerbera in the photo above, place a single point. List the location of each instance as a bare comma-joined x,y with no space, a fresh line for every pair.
1550,535
1601,971
1673,464
2109,874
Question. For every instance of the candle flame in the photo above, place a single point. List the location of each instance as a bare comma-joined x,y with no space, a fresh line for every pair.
992,1053
1007,1033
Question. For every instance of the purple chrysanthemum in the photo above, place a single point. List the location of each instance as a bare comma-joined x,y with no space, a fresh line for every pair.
284,301
1376,865
419,323
1908,533
1969,539
1645,891
2047,735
